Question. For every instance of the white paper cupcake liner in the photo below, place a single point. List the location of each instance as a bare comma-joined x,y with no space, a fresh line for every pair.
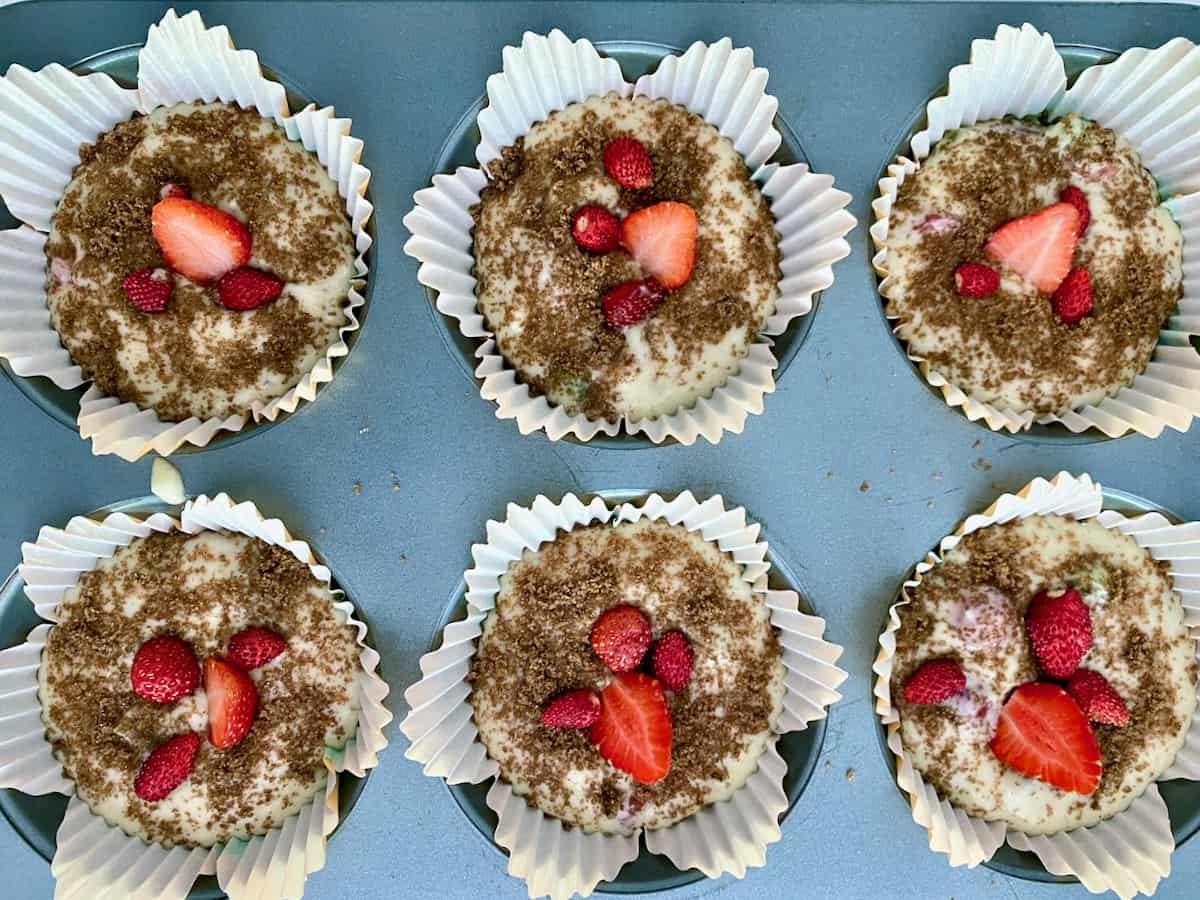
48,114
93,858
722,86
1128,853
560,861
1146,96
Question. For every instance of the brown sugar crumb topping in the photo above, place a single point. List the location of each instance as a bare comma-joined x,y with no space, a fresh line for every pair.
1002,558
226,157
1005,337
538,646
98,726
564,347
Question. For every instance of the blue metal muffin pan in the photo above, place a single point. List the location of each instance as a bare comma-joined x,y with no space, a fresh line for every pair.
855,468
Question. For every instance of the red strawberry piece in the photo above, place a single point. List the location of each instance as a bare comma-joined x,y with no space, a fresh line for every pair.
673,660
634,729
938,223
1097,698
574,709
1078,199
172,189
1073,299
247,288
253,647
596,229
1044,734
198,241
934,681
976,280
1060,629
149,289
1038,246
232,701
629,303
662,238
164,670
621,637
627,162
167,767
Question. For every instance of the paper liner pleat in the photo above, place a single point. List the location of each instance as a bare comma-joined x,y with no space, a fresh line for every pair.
182,61
1126,854
27,339
95,859
215,69
1131,861
732,835
558,860
44,118
27,760
1149,97
554,861
717,82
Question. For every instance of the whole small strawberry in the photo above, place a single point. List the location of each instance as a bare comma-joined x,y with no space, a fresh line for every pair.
149,289
574,709
627,162
1097,698
976,280
936,680
252,647
629,303
246,288
1073,299
167,767
673,660
1078,199
596,230
164,670
621,637
1060,628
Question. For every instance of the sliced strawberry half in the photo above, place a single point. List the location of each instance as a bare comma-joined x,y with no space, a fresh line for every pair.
634,729
1038,246
199,241
232,702
1044,734
662,238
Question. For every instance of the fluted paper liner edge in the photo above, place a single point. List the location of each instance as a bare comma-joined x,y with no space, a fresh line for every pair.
722,86
1128,853
93,856
1019,72
561,861
59,111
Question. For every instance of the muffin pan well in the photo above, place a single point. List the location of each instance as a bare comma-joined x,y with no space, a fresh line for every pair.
853,469
37,818
121,64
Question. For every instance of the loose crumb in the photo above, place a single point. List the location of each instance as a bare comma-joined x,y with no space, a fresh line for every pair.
851,774
865,486
357,487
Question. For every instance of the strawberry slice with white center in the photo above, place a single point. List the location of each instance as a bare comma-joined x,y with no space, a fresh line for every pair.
1038,246
662,238
232,702
199,241
634,729
1044,734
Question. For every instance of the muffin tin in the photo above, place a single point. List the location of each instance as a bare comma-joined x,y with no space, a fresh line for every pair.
848,77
